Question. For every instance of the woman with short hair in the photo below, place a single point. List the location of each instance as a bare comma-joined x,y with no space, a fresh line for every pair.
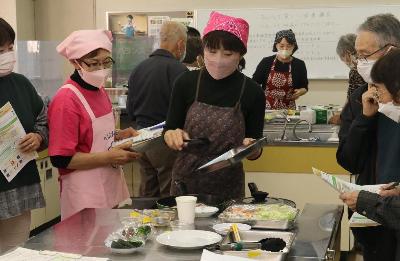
82,128
23,193
346,51
282,76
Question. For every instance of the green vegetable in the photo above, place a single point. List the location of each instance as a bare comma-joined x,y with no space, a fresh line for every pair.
276,212
122,244
143,231
136,243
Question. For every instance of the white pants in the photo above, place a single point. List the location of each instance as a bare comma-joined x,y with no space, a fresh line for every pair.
14,231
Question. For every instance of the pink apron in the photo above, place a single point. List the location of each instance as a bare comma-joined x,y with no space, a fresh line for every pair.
102,187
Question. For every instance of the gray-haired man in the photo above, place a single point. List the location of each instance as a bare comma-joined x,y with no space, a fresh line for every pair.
150,87
361,148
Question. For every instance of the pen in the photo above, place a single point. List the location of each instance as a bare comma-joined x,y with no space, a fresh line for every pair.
158,126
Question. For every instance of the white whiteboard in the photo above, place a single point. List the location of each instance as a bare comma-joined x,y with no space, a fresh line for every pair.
317,32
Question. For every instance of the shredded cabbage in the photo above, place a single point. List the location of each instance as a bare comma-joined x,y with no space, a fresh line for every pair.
275,212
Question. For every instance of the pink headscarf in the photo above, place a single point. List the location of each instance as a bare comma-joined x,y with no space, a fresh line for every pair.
79,43
236,26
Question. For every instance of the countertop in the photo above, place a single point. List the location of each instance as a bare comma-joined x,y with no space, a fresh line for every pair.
85,232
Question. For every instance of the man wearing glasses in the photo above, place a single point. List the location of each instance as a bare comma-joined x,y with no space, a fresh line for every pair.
364,140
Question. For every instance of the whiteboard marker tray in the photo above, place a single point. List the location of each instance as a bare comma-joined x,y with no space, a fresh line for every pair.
232,156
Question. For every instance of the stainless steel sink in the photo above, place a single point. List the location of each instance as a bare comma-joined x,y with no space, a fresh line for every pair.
320,134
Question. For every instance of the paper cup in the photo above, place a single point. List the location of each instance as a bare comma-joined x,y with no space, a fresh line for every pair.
186,206
122,100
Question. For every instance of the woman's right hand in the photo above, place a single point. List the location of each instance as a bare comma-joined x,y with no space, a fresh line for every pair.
370,101
174,138
121,155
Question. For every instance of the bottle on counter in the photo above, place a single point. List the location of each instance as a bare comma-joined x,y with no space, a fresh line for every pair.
321,114
308,114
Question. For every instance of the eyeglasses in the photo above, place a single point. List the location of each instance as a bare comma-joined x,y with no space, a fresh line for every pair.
363,58
106,64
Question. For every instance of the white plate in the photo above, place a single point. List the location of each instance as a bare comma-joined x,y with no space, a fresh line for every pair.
188,239
223,228
205,211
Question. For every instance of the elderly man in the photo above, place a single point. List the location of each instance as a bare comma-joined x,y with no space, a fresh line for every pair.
150,86
362,148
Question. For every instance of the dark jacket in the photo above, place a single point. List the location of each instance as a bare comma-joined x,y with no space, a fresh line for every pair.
150,86
27,104
385,210
357,149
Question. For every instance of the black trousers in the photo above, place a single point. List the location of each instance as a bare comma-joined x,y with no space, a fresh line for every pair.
378,243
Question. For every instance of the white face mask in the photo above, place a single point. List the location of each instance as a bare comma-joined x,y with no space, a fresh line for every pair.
220,67
95,78
390,110
7,61
285,53
364,69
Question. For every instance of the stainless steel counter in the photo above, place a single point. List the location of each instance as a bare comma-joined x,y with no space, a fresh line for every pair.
85,232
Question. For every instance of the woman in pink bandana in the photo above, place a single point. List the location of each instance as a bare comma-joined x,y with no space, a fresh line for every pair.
218,103
82,128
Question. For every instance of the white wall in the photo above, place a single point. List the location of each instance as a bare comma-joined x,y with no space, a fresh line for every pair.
55,19
25,19
8,11
321,91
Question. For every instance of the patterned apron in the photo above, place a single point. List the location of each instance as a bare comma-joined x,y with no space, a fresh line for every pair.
279,89
225,128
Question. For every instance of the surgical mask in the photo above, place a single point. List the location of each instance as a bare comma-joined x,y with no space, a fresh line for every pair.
218,67
7,61
364,69
95,78
390,110
285,53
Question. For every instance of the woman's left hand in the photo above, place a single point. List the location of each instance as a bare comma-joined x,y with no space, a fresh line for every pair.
255,154
298,92
248,141
350,199
126,133
31,142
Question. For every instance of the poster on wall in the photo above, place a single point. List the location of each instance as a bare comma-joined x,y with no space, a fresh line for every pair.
154,24
185,21
131,47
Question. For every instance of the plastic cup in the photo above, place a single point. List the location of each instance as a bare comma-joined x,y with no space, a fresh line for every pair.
186,206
